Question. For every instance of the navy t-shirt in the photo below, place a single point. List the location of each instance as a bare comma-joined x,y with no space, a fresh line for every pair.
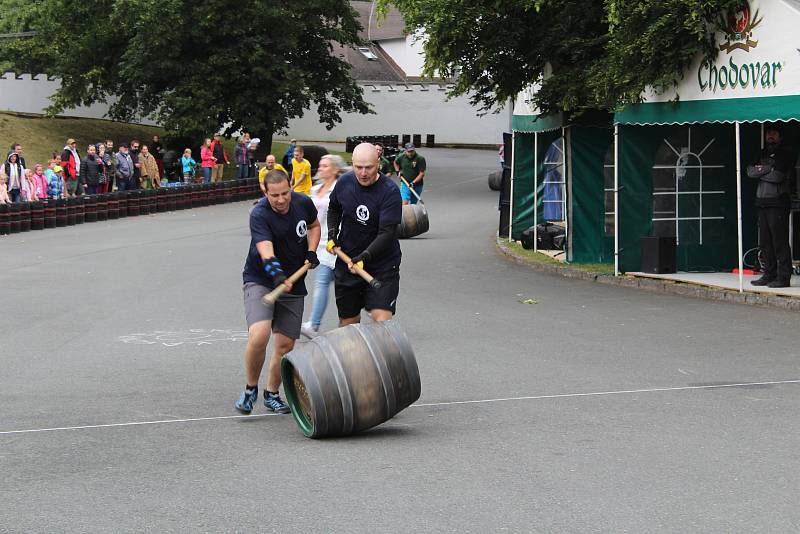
288,234
364,210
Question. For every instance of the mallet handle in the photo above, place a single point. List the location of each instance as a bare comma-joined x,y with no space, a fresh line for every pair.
271,297
408,185
359,271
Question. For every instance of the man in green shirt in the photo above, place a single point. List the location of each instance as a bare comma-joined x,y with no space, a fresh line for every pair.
411,166
384,165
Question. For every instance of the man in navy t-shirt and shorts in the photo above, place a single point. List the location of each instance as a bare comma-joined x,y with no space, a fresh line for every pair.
284,234
368,207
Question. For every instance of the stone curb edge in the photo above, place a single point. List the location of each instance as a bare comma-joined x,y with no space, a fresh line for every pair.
657,286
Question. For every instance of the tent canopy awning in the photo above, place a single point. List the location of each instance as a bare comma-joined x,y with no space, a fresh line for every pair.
728,110
555,121
537,123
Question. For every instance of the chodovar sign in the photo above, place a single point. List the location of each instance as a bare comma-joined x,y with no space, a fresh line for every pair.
732,76
739,37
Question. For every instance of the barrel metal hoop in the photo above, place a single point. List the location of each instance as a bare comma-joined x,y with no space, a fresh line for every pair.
341,383
410,361
383,371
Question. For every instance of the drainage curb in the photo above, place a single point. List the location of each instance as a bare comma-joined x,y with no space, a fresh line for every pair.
657,286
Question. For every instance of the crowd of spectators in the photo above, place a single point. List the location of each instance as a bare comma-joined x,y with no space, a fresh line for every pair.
98,168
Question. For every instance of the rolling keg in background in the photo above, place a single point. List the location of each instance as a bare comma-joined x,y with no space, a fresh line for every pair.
495,180
350,379
414,222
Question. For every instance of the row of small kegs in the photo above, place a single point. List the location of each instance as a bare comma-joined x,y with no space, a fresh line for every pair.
39,215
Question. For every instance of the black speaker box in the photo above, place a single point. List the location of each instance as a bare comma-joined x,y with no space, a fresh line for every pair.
658,255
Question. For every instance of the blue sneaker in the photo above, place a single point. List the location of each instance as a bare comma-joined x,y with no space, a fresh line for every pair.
246,401
274,402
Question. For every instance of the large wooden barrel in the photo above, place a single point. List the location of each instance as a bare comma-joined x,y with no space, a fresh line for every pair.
415,221
495,179
350,379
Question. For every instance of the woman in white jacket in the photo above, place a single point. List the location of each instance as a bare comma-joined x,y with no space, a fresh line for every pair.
330,168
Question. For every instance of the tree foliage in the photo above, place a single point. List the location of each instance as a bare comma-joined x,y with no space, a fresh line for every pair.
584,54
196,66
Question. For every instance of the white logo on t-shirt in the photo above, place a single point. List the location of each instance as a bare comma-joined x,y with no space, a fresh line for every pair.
362,212
302,229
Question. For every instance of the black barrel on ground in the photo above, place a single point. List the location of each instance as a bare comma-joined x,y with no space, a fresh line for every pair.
49,213
61,212
37,215
25,217
495,179
80,210
350,379
414,222
13,217
5,224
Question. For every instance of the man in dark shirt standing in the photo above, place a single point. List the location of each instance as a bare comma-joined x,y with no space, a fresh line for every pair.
284,234
135,181
773,171
368,207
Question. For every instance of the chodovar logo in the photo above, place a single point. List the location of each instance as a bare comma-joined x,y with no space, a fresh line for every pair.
301,229
362,213
739,24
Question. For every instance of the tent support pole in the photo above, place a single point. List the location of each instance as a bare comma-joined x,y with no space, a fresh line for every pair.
536,191
739,205
511,193
616,199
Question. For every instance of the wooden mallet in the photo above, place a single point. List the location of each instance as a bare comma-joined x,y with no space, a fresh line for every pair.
272,297
375,284
408,185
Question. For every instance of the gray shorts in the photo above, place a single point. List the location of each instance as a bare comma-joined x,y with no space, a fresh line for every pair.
286,315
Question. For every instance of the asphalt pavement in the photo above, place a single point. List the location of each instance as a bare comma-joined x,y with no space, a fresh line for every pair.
597,409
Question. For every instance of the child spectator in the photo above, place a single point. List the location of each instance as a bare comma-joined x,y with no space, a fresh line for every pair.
55,178
207,161
4,198
40,181
28,187
189,166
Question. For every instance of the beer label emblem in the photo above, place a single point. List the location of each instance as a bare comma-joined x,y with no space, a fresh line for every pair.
301,229
362,213
738,25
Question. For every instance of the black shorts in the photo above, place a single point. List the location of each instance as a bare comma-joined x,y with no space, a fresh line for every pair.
353,293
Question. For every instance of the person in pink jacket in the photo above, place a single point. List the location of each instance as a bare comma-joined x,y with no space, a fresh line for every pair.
207,161
40,180
27,191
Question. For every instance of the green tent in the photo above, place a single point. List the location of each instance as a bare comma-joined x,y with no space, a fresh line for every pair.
560,174
681,154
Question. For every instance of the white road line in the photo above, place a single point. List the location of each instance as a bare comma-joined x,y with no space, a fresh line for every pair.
424,405
135,423
620,392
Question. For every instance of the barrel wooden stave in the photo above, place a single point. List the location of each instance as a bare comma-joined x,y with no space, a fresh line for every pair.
353,378
414,221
